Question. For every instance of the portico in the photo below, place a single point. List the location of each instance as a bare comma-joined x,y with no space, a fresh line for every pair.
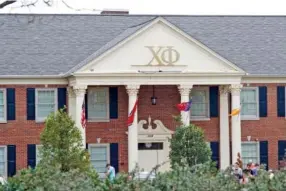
161,54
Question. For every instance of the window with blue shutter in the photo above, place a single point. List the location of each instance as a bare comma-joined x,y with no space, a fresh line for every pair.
114,156
214,101
264,153
31,155
262,101
11,108
281,150
11,160
215,152
281,101
31,104
62,98
113,102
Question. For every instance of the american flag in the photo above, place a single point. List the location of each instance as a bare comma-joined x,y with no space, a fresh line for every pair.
132,114
83,118
185,106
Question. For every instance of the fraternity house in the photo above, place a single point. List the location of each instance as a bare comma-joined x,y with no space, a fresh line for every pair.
104,64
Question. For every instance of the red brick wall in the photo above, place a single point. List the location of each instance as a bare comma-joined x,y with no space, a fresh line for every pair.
22,132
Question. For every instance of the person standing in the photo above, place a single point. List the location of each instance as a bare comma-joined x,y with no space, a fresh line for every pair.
110,172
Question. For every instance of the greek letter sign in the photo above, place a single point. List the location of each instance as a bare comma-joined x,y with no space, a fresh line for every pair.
163,55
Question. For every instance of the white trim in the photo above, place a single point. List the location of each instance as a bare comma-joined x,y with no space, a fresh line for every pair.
6,161
34,81
249,117
98,119
167,23
5,105
257,147
40,120
107,145
202,118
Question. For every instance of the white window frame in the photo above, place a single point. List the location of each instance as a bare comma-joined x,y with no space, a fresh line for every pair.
251,117
37,153
5,105
257,147
36,102
107,145
5,157
99,119
201,118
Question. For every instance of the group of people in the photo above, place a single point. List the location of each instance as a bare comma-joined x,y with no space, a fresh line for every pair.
244,175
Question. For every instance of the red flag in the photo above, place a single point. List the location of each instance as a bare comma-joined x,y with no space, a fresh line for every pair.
185,106
83,118
132,114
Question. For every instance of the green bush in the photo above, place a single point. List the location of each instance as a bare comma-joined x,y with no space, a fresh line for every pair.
188,146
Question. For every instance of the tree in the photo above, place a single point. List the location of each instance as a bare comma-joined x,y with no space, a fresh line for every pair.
62,144
188,146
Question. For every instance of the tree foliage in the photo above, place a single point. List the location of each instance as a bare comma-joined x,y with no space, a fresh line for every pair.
62,144
188,146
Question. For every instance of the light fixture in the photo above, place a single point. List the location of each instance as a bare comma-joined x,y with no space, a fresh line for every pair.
98,140
153,98
148,145
248,138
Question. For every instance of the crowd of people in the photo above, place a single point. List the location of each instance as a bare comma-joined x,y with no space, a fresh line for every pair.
243,176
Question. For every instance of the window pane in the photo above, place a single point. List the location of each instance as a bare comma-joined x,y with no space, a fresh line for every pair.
1,98
249,153
98,156
249,102
199,103
1,111
98,103
46,103
2,161
2,169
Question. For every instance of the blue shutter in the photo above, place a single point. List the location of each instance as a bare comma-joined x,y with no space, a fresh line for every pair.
264,153
281,150
214,101
215,152
263,101
11,159
114,156
86,105
113,102
62,98
281,101
11,104
31,155
86,146
30,103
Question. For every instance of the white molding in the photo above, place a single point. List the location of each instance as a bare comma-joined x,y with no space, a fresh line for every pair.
262,79
95,119
41,120
168,24
33,81
247,117
6,162
5,105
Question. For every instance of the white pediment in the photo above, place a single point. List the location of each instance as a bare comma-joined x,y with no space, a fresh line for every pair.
159,46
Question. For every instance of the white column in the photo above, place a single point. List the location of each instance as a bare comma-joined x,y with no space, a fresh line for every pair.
79,97
235,122
71,102
132,91
224,128
185,91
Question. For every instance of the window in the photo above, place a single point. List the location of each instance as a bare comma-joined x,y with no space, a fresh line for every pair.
249,103
98,103
38,155
200,103
46,103
3,161
99,156
250,152
2,105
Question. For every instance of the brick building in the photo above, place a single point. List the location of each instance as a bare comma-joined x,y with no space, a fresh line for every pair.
221,62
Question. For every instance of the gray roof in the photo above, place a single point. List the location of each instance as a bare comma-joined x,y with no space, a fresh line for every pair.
57,44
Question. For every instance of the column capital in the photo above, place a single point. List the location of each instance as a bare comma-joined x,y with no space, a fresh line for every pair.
224,89
235,88
70,92
132,89
185,89
79,90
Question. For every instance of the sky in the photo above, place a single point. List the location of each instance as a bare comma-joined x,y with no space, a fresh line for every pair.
182,7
